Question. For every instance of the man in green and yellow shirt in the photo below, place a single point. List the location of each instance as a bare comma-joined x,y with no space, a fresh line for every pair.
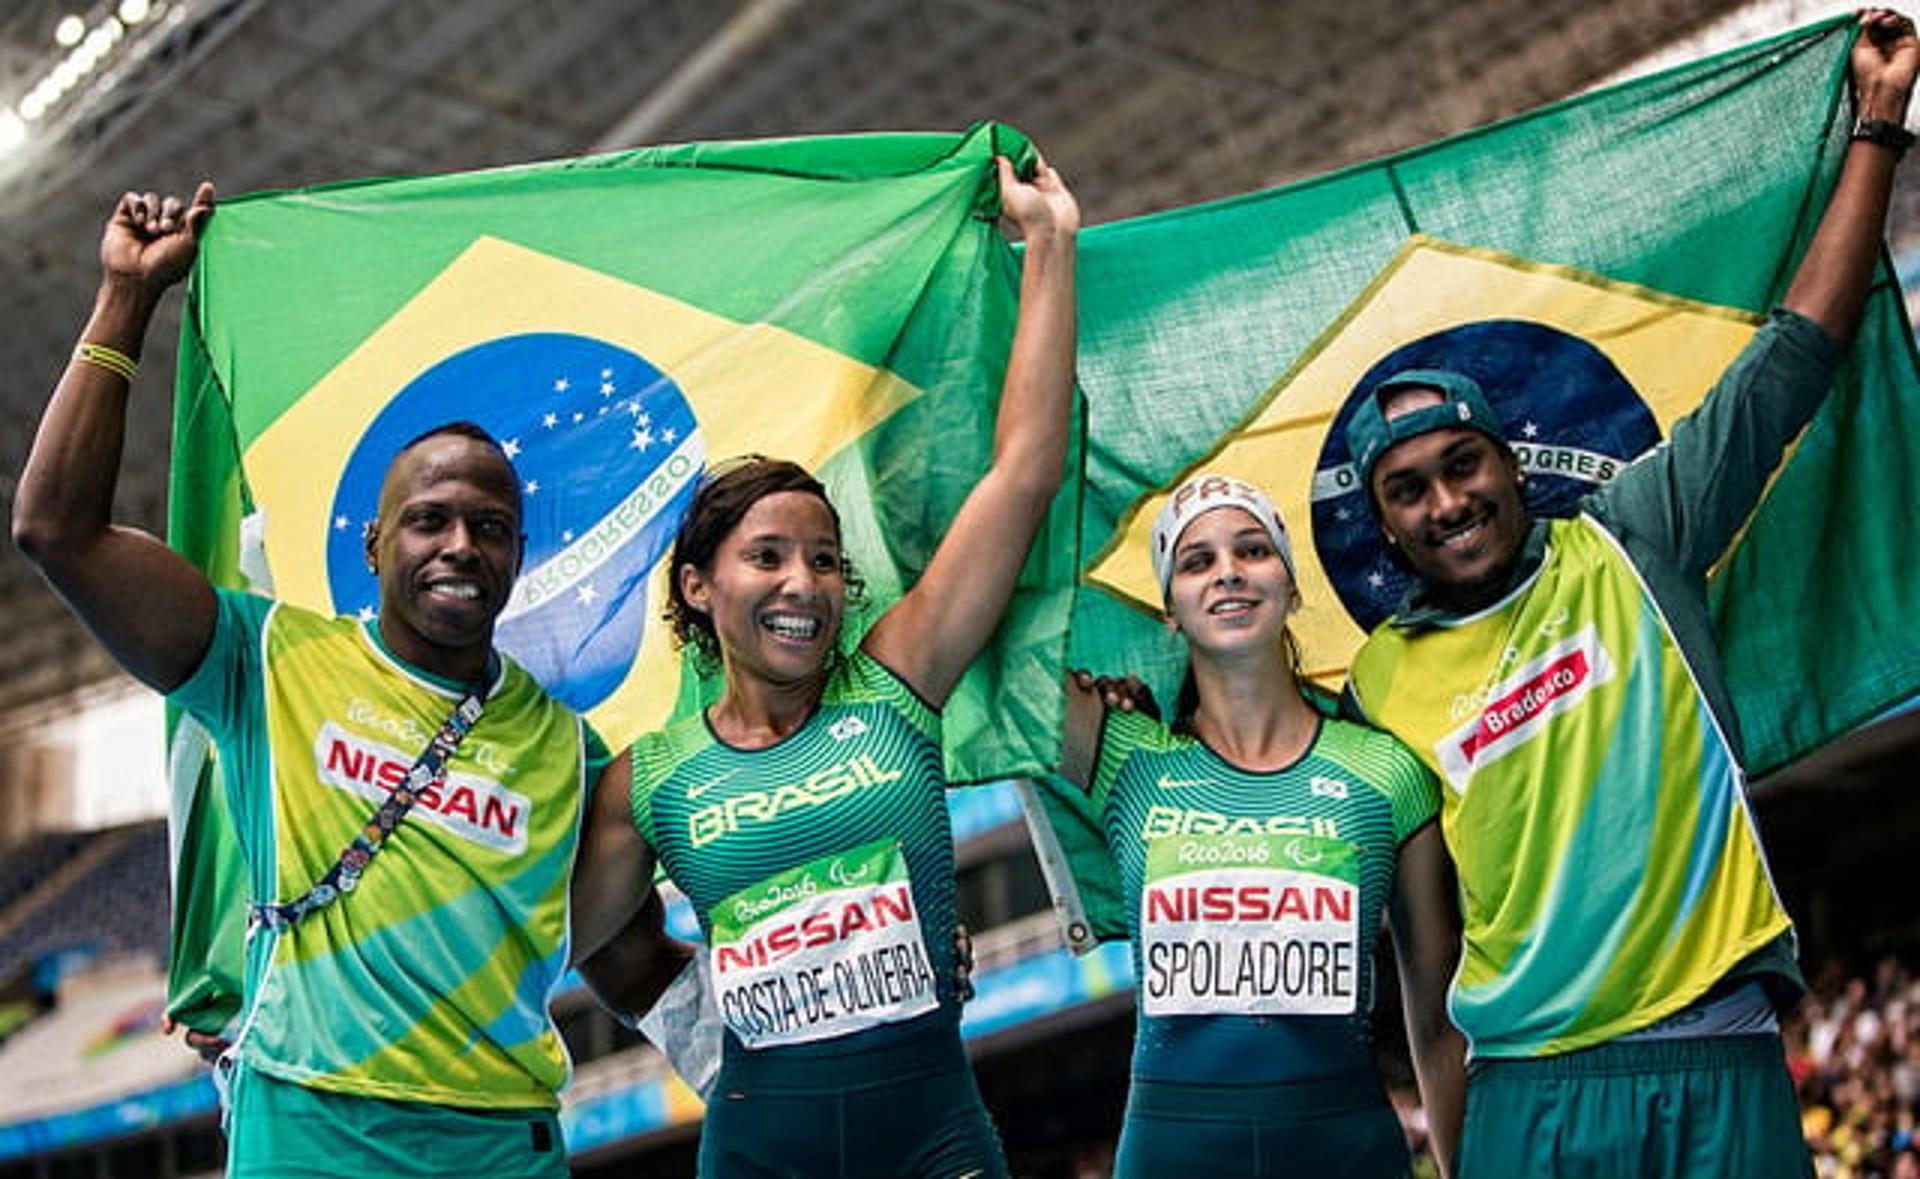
395,1024
1624,953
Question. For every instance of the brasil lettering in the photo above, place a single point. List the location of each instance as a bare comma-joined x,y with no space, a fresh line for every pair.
468,806
1164,821
761,806
1250,925
821,951
1519,706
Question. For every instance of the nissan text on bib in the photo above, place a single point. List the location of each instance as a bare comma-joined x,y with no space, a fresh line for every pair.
1250,925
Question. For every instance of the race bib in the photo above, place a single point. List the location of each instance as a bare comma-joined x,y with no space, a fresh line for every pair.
1250,925
827,949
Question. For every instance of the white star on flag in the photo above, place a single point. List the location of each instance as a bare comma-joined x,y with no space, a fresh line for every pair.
1530,430
642,439
340,523
550,421
533,487
511,448
561,385
586,594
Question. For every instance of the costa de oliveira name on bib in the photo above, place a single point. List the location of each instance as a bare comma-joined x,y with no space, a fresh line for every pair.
1250,925
827,949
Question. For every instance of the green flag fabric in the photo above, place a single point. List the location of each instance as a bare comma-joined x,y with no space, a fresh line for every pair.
1619,247
619,323
622,320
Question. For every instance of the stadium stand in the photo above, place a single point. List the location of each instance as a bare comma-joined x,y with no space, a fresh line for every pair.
35,860
97,891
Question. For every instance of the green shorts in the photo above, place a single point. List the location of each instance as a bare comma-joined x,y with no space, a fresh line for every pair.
1337,1128
1668,1109
287,1131
908,1111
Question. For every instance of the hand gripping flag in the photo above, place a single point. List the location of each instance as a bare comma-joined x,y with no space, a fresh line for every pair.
618,323
1615,250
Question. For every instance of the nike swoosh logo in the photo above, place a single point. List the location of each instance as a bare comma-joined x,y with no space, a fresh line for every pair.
1167,783
694,792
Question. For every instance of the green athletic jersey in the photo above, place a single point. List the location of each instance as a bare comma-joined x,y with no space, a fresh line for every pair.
821,867
429,982
1254,898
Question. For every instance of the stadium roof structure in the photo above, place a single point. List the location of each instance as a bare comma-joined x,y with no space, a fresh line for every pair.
1145,104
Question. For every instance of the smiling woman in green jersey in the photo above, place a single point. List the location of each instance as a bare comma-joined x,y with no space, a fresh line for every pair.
804,812
1258,844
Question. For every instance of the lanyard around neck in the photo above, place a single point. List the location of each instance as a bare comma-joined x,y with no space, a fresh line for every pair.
427,772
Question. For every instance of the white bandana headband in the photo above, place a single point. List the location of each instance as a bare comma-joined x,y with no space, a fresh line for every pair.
1204,493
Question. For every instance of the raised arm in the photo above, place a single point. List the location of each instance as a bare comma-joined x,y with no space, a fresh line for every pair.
613,872
1830,287
1426,945
151,609
1690,498
934,632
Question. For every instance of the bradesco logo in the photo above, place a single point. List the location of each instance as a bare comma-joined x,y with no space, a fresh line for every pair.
473,808
1519,706
761,806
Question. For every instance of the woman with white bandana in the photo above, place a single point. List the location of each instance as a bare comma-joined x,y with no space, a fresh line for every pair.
1259,841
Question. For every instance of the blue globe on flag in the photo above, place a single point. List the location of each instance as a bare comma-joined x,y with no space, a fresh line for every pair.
608,455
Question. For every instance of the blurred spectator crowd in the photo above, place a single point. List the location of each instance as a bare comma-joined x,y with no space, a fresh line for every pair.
1854,1052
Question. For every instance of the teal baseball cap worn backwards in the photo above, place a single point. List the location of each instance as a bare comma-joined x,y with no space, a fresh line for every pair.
1462,406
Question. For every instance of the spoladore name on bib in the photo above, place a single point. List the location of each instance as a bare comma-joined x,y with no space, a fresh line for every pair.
824,950
1250,925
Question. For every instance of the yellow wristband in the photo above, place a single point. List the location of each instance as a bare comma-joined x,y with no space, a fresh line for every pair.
111,359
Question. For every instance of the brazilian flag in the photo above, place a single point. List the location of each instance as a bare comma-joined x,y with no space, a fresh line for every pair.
619,323
1595,264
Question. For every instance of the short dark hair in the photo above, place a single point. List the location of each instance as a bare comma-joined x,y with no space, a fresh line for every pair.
464,428
461,427
726,494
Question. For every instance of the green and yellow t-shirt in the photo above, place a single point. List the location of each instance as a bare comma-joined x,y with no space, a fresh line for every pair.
429,982
1587,744
1610,873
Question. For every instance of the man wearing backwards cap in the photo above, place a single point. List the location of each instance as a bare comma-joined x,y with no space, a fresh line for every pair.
1624,953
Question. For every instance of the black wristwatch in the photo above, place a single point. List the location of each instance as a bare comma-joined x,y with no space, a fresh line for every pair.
1884,132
